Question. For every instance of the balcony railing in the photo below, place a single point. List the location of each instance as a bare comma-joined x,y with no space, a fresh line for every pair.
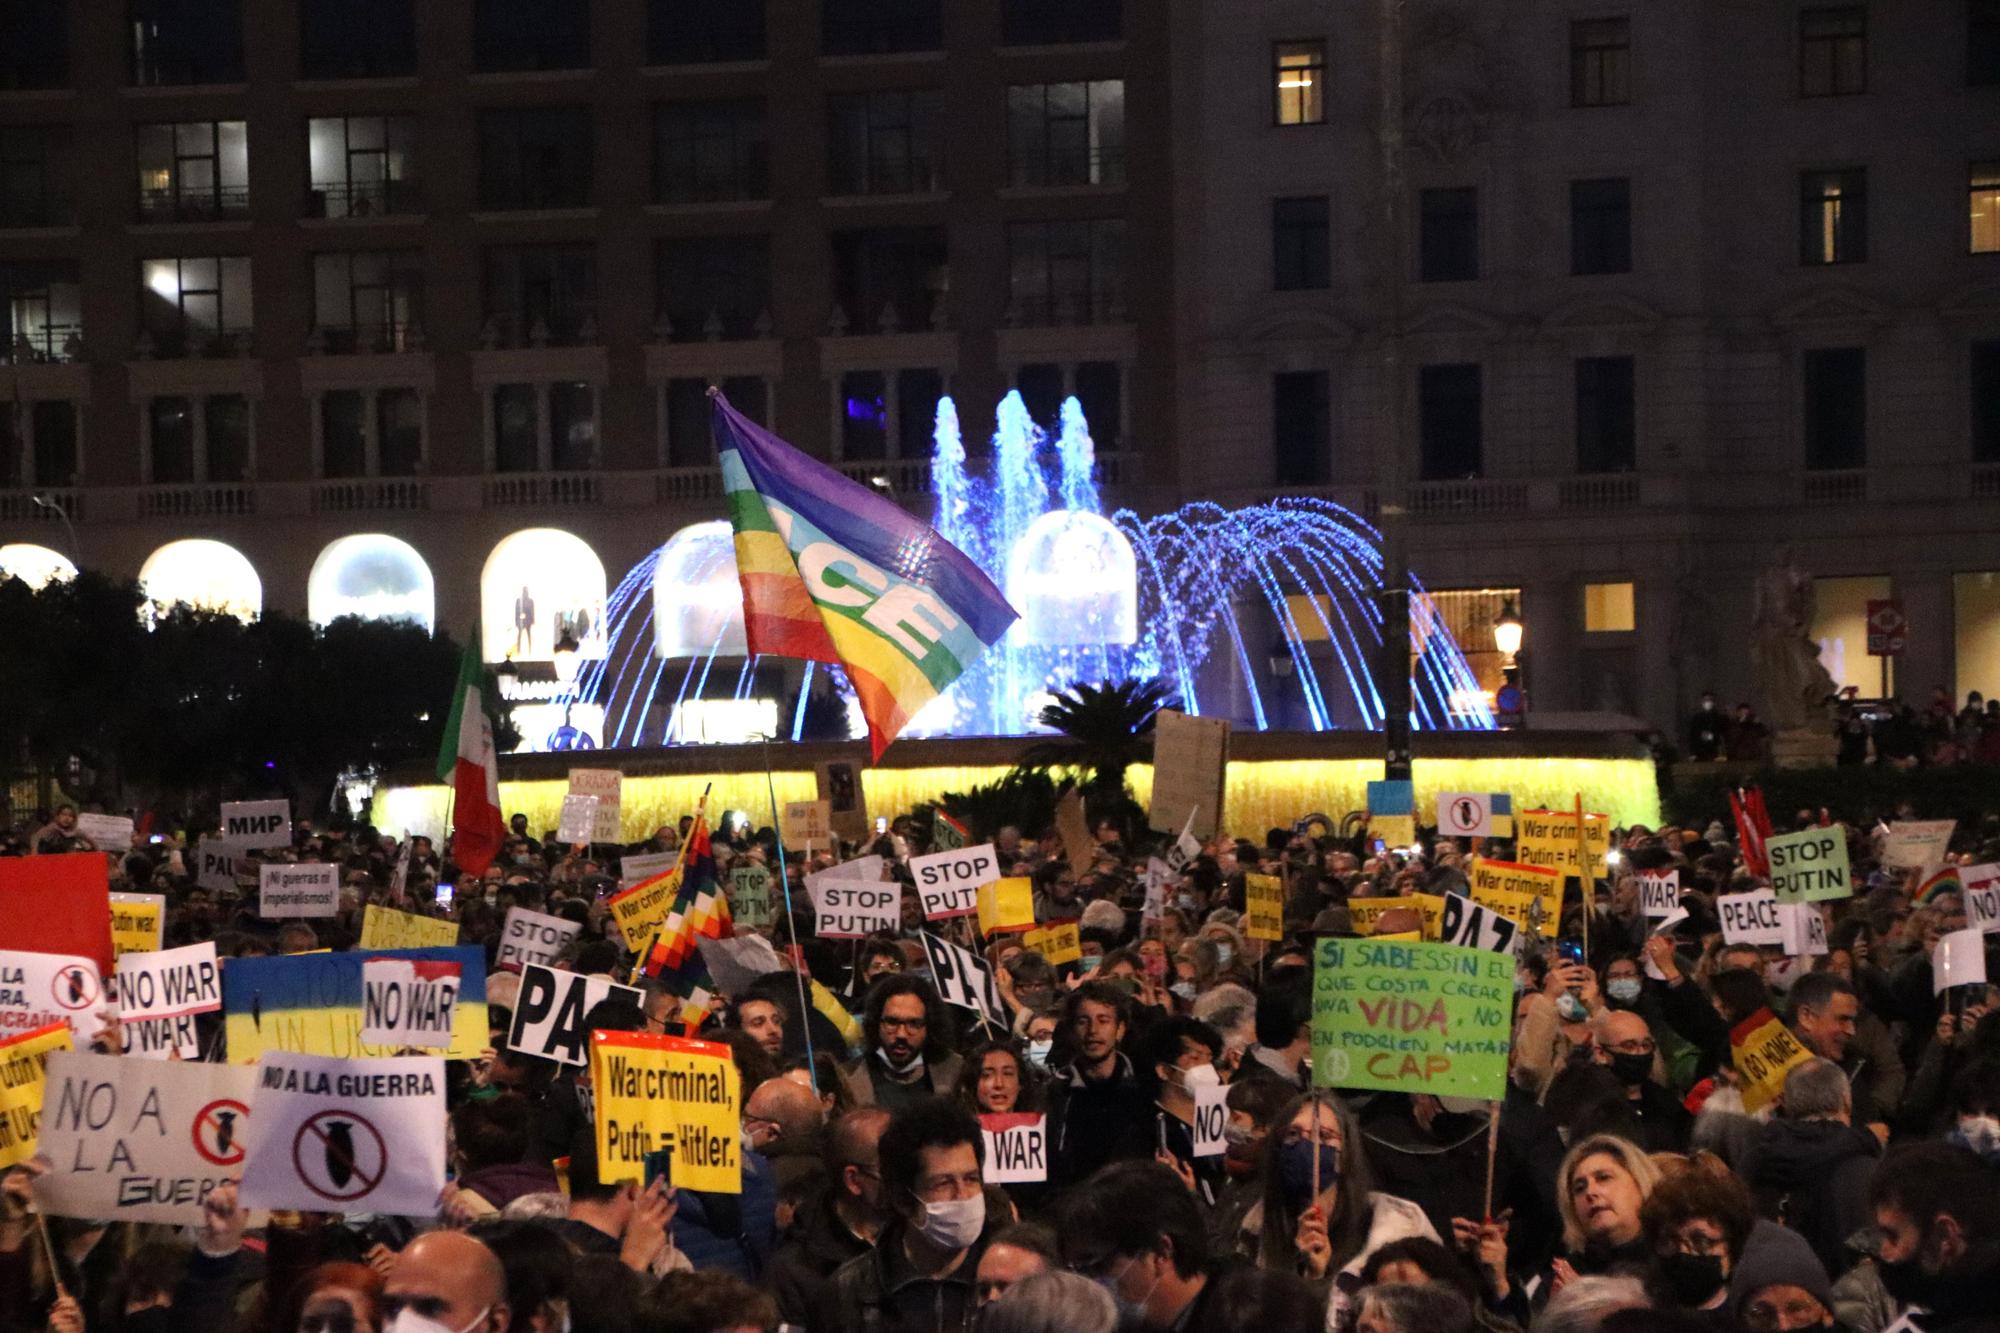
43,344
187,344
22,506
555,490
1831,488
371,495
363,199
1468,498
224,204
199,501
1617,491
376,338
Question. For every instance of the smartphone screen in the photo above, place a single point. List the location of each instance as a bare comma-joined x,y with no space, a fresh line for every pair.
443,895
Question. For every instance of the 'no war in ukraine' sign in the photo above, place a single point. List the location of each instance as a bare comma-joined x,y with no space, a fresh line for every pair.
1412,1017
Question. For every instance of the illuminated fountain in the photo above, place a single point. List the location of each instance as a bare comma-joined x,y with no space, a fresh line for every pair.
1191,598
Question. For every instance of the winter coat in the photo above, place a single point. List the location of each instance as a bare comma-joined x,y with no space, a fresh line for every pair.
1812,1175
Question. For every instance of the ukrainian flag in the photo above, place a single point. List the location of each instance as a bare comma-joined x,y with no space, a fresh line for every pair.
310,1003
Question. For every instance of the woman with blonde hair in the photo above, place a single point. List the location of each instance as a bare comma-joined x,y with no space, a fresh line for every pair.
1602,1189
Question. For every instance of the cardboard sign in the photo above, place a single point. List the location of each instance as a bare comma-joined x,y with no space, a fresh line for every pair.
138,922
140,1142
655,1092
168,982
1514,877
1958,960
533,937
1982,896
405,1002
578,820
1365,912
1471,926
641,910
1006,904
1211,1120
175,1038
218,864
1017,1147
108,833
37,989
962,978
607,785
1914,844
386,928
550,1009
1416,1017
750,896
637,869
1764,1051
1264,907
1751,918
1660,892
1058,942
853,909
57,904
310,1003
257,826
1464,814
1190,773
949,882
347,1136
1810,866
1079,848
297,890
1547,838
806,824
1519,908
24,1062
840,787
1805,930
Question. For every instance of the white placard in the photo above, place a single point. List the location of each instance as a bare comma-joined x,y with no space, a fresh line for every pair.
579,820
285,890
216,864
852,909
962,978
1917,844
1959,960
949,882
408,1001
607,785
550,1009
1982,896
37,989
1660,892
347,1136
140,1142
168,982
635,869
1805,930
533,937
1185,849
1469,925
1211,1118
1751,918
1464,814
257,825
108,833
175,1038
1017,1148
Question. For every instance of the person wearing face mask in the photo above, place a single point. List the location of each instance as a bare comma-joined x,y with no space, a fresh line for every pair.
1975,1096
1623,1043
907,1056
1179,1054
919,1277
1937,1212
840,1223
445,1282
1697,1223
1135,1231
1811,1164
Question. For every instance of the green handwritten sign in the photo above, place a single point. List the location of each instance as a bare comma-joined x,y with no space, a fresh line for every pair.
1412,1017
750,896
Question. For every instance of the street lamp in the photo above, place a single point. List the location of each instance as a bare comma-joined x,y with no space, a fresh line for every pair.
1507,631
62,512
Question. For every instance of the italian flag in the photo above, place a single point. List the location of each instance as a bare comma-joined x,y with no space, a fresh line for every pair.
466,760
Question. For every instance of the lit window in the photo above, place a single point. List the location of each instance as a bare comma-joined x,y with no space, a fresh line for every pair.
1299,82
1607,608
1833,217
1983,193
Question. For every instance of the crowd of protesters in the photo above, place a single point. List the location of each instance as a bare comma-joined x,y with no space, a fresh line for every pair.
1889,733
1630,1189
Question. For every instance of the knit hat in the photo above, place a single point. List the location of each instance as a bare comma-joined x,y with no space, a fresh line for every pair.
1777,1257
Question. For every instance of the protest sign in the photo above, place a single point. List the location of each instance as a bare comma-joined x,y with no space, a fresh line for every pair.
1211,1120
637,869
297,890
1750,918
852,908
750,896
806,824
218,863
1914,844
23,1075
672,1093
1660,892
533,937
1544,884
1058,942
641,910
58,904
1006,904
577,821
1411,1018
1391,796
1809,866
107,833
1264,904
310,1003
347,1136
1464,814
550,1008
386,928
37,989
963,978
1190,773
138,922
1805,930
408,1003
1764,1051
947,834
1982,896
1471,926
1017,1147
1519,908
175,1038
169,982
1959,960
1365,912
257,826
133,1142
949,882
1079,848
735,961
607,785
1547,838
839,785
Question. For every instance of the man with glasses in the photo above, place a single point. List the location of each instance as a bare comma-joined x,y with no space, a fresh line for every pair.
842,1221
908,1057
1625,1045
1135,1230
445,1282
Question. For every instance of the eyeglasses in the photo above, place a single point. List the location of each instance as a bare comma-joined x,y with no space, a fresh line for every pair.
1637,1046
904,1024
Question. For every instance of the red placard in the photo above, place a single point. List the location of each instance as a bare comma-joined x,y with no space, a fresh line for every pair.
1888,628
58,904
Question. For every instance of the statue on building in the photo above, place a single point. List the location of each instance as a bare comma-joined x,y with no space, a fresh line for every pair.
1784,659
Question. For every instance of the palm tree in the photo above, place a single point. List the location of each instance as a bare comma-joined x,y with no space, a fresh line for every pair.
1104,729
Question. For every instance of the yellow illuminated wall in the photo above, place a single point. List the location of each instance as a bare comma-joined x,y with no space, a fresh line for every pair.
1975,615
1840,627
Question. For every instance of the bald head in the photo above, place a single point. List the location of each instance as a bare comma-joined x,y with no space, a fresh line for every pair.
452,1278
1398,921
1619,1025
792,1108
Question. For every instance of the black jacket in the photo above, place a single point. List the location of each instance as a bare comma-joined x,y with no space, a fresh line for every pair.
818,1244
1812,1175
1092,1122
876,1292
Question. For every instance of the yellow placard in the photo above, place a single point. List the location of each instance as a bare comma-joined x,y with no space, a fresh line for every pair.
1512,877
24,1072
1516,906
655,1092
1264,904
1059,943
136,921
1547,838
386,928
1006,904
1395,830
641,910
1765,1051
1364,912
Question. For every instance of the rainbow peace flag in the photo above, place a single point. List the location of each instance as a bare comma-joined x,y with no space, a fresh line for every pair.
833,572
1943,880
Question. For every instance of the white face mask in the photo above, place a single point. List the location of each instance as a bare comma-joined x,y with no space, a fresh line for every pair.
409,1321
1981,1133
1201,1076
954,1224
1038,1053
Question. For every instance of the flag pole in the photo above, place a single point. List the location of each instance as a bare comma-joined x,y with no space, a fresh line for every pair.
791,922
1586,878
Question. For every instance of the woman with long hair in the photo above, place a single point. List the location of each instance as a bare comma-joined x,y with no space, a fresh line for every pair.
1601,1189
997,1079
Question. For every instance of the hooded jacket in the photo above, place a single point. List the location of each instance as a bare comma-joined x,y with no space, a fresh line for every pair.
1812,1175
817,1244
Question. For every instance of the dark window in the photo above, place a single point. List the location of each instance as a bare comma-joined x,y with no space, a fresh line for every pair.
534,157
1066,133
864,414
530,34
1301,244
917,394
689,442
362,166
1836,407
1600,62
1448,235
343,432
1606,421
1833,50
705,152
193,171
35,175
517,429
41,309
1600,226
883,143
171,421
1301,427
1041,388
700,32
1982,43
226,426
185,41
890,274
1069,272
572,427
368,300
714,286
399,432
1100,391
55,460
195,304
1450,432
868,27
357,39
536,292
34,44
1985,380
1060,22
1833,217
1298,83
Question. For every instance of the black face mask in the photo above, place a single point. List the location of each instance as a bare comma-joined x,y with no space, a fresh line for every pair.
1630,1069
1907,1281
1691,1278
